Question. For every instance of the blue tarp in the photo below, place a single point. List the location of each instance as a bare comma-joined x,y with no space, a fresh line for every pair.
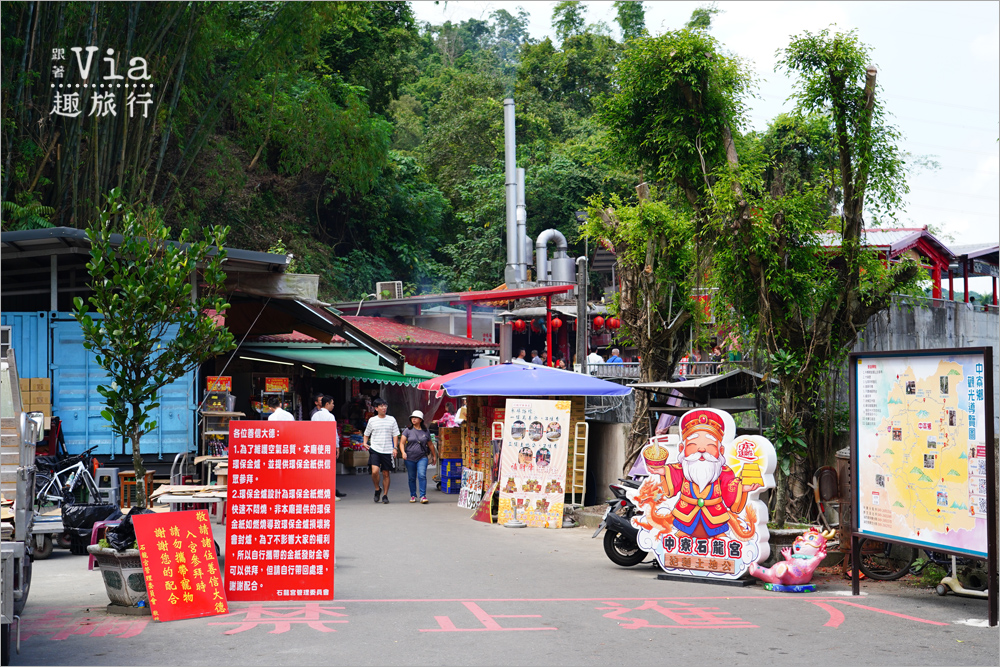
529,380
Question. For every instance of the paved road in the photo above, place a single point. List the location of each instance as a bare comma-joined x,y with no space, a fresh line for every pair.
425,585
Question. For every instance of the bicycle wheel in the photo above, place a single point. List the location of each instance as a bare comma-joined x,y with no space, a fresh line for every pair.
885,561
44,489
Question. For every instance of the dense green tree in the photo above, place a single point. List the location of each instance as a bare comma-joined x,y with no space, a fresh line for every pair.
568,18
767,200
631,19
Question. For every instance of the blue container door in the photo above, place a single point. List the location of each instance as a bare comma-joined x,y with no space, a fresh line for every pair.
75,400
29,336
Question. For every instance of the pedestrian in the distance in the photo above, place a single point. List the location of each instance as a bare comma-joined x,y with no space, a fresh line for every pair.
317,405
325,414
417,449
277,413
535,359
614,358
381,439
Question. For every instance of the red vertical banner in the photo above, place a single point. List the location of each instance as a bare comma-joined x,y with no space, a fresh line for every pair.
180,565
280,516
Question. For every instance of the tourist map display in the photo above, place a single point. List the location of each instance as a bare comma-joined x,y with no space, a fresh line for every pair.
921,459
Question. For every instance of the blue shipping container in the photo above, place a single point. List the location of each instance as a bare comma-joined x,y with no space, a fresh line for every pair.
75,376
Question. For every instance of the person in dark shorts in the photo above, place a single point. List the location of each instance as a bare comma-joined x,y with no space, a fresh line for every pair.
381,439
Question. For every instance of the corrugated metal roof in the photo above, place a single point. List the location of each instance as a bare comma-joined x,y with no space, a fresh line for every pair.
388,332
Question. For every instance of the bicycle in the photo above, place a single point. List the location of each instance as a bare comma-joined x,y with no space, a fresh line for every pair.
879,560
53,488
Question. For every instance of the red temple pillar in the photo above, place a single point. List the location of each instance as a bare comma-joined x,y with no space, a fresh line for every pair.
548,330
994,290
936,277
468,320
951,284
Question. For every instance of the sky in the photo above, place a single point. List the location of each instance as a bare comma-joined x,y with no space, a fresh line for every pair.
939,69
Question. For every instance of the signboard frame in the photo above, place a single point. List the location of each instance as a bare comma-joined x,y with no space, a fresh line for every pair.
275,459
991,467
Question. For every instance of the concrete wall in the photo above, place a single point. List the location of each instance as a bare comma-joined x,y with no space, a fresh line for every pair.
923,324
605,456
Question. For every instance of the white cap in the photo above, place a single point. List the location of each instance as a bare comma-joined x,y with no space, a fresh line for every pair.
418,414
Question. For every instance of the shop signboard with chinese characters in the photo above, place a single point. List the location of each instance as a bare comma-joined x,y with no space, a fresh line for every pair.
699,510
280,513
179,564
533,462
275,385
219,383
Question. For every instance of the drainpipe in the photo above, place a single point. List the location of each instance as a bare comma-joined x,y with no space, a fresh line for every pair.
548,330
510,183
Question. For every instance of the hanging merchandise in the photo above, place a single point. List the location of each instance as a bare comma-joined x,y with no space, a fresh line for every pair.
538,325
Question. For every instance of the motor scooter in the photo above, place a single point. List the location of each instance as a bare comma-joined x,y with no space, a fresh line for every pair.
620,537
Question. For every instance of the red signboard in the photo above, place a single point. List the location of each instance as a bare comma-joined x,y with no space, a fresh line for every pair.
219,382
180,565
280,516
275,384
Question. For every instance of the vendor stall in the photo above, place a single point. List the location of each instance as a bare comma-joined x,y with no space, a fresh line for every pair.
486,391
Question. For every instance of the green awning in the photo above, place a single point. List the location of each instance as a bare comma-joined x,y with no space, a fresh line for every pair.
350,363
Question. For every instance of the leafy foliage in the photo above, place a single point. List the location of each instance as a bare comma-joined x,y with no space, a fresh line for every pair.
151,329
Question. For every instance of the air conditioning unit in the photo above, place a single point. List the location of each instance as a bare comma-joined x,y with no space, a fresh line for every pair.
389,290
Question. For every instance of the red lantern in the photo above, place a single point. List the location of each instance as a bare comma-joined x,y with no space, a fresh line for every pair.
520,326
614,323
556,323
598,323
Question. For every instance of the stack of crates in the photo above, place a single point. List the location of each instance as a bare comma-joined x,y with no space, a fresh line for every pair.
451,475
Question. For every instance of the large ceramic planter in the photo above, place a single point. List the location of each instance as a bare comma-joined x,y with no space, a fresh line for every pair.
122,572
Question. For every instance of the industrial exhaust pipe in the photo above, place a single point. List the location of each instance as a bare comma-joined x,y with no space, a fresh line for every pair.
510,182
522,221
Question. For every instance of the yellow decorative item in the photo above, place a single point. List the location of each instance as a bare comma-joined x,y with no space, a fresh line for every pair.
751,473
655,455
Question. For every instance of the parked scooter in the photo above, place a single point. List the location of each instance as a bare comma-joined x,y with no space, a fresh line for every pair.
620,537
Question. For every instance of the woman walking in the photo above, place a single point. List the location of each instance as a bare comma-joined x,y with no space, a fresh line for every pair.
415,446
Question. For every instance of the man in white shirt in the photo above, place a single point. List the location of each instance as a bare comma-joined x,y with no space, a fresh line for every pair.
325,414
381,439
278,415
594,358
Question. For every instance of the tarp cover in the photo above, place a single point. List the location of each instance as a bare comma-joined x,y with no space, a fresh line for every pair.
523,380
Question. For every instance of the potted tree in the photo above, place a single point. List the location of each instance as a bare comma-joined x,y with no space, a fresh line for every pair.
155,304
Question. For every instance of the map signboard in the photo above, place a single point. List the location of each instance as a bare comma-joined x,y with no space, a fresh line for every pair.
923,460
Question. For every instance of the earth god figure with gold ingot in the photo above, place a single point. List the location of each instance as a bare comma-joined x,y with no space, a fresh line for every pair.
699,509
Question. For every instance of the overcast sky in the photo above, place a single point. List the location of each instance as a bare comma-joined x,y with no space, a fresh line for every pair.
939,68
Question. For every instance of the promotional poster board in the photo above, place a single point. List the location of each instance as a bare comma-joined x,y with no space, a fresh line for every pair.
179,565
280,517
472,489
533,462
922,423
703,517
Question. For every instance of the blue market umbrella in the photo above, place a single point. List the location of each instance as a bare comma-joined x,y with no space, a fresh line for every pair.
523,380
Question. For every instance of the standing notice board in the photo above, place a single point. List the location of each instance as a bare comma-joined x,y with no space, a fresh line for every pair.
179,565
533,462
922,451
280,517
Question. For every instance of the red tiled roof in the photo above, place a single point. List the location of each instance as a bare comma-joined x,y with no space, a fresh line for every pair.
389,332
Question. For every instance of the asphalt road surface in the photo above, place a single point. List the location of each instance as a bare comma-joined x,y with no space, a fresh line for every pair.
425,585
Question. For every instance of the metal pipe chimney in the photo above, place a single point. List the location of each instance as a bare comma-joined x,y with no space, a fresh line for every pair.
510,182
522,221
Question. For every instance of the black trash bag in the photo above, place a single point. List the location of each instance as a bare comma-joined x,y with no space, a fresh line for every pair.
79,540
122,536
86,515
